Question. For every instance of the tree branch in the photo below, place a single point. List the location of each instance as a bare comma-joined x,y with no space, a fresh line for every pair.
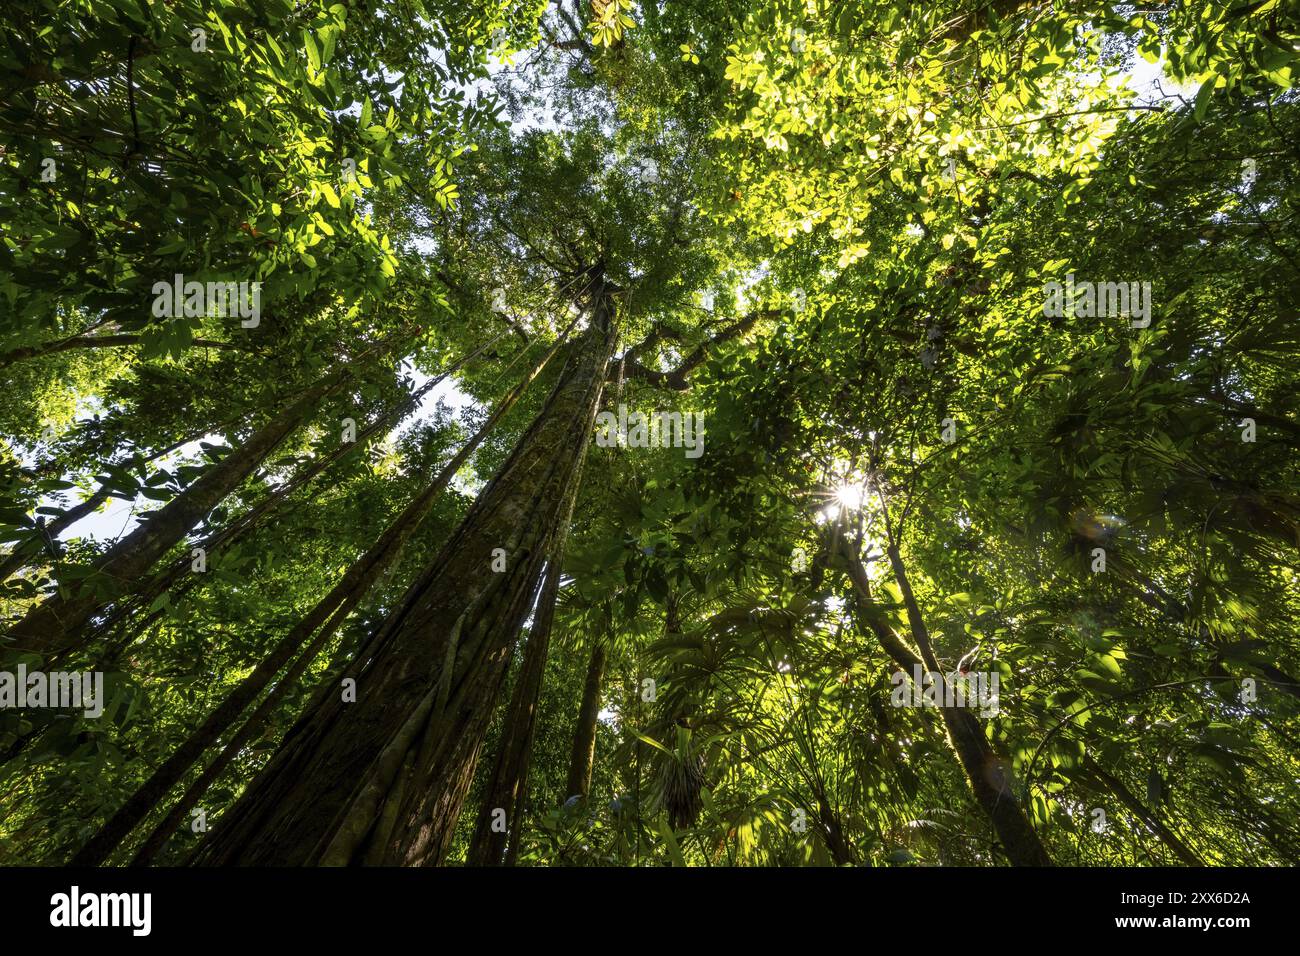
676,380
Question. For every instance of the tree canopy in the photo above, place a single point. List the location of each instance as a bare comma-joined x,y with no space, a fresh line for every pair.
650,432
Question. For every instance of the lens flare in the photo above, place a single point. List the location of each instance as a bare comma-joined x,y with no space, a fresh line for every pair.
849,496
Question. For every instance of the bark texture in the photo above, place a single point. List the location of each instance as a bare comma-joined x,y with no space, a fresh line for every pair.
583,756
382,780
506,792
322,621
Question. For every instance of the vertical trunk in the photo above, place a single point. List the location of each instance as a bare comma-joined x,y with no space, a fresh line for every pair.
984,772
989,778
507,786
381,780
56,623
167,827
323,620
583,756
833,833
987,773
247,522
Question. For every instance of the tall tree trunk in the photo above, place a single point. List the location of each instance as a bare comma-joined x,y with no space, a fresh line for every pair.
247,522
506,792
323,620
22,556
381,780
508,786
583,756
985,773
56,623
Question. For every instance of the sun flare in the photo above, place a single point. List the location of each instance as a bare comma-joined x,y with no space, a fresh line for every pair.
849,496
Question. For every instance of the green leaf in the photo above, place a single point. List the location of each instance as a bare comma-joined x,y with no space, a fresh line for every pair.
670,842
